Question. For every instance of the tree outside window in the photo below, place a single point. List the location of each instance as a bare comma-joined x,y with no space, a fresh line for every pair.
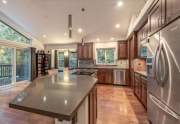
105,56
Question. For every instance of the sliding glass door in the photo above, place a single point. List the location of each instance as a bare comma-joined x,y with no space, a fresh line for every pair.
6,65
14,65
22,64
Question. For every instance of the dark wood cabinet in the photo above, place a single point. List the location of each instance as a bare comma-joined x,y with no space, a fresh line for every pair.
140,88
172,9
33,63
122,50
157,16
85,52
105,76
143,32
144,91
132,54
93,106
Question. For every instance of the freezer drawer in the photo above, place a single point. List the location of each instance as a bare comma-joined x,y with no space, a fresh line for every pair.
159,113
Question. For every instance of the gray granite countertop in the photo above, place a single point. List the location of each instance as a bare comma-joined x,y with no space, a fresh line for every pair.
143,73
102,67
57,96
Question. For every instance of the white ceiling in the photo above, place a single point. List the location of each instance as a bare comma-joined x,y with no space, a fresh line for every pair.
50,17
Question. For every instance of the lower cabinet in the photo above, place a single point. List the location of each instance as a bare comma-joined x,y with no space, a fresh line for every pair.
93,106
105,76
140,88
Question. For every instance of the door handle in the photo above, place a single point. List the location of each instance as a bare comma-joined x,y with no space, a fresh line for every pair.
162,75
163,107
155,62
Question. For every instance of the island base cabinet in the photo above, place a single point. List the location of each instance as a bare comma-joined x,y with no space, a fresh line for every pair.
87,112
82,116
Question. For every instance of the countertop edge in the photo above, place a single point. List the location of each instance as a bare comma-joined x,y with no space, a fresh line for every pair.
52,114
140,74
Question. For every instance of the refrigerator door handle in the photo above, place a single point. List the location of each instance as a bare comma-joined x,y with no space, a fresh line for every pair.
164,108
155,61
161,76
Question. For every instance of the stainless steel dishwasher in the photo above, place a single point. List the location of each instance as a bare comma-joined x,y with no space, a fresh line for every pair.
120,77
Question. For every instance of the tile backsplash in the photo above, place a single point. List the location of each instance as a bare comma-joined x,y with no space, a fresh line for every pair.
140,65
85,63
123,63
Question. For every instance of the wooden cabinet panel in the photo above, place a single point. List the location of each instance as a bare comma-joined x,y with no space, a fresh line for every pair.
105,76
122,50
93,106
157,16
140,88
172,9
144,91
85,51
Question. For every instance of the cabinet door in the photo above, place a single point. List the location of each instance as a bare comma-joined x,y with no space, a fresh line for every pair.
122,50
108,76
157,16
144,91
100,75
90,51
85,51
172,9
80,51
95,105
137,85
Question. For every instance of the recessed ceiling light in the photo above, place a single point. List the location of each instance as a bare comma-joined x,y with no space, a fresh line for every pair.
117,25
44,36
97,39
120,3
112,39
4,1
65,34
80,30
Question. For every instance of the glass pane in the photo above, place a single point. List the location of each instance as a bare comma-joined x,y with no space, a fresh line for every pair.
22,64
8,33
101,56
61,60
6,55
110,56
73,60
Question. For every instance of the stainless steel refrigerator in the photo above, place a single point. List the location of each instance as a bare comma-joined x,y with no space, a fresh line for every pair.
164,75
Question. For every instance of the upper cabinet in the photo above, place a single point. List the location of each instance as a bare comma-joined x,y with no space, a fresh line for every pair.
143,32
156,16
133,49
161,13
122,50
172,9
85,51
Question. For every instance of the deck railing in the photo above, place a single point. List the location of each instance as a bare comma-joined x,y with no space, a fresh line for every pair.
5,74
5,70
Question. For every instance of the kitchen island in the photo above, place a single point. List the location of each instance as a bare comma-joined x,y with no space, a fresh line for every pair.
69,99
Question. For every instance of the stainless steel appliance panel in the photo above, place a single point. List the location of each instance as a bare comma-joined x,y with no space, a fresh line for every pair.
159,113
164,79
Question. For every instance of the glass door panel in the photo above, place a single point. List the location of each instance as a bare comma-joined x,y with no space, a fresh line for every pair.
73,60
6,66
61,60
22,64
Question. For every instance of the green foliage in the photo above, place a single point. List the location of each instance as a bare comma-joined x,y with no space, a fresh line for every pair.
8,33
105,55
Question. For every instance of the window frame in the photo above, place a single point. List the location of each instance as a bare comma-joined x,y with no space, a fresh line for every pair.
115,56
